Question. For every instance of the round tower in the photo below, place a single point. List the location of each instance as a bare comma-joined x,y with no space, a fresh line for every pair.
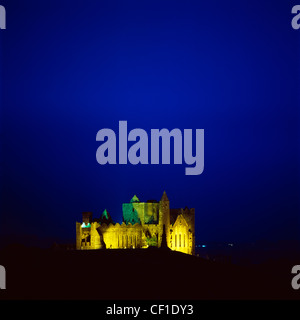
164,218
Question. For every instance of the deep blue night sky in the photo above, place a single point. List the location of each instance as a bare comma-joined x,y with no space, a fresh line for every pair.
71,68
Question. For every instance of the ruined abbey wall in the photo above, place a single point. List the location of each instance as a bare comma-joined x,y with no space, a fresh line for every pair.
142,227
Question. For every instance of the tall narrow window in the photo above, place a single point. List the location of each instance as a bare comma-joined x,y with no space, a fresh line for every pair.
179,240
184,240
175,240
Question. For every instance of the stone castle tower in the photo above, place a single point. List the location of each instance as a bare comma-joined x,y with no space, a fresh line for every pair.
144,224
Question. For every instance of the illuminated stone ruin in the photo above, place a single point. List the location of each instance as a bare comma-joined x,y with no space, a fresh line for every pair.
145,224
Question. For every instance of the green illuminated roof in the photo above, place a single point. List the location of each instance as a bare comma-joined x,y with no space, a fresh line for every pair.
105,214
135,199
106,218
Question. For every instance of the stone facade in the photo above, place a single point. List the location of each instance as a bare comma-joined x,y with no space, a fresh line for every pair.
144,224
